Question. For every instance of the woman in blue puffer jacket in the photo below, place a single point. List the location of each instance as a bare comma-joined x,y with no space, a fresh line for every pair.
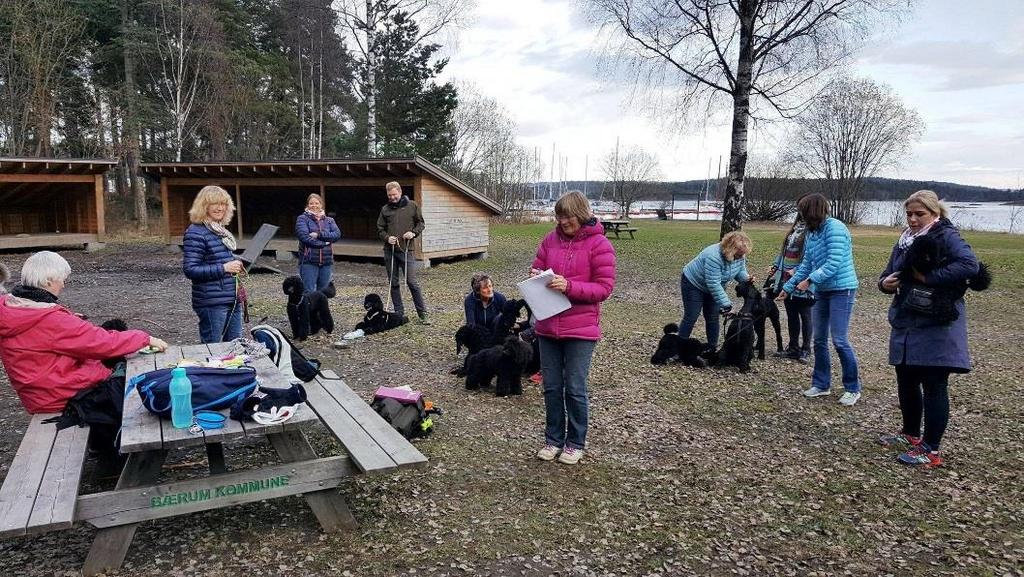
316,232
210,263
826,269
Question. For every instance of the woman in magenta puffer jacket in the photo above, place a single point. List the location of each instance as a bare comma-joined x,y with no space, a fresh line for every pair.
584,265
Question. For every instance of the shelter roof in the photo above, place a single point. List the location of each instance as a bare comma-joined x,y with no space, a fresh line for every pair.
44,166
389,168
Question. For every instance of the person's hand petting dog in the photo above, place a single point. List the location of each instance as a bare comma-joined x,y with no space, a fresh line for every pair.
558,283
783,295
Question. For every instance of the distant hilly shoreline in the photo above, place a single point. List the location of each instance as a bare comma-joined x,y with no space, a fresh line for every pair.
875,189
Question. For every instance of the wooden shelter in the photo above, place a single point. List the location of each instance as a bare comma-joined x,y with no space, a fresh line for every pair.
275,192
47,202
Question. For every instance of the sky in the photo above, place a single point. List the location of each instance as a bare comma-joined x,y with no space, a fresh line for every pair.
959,63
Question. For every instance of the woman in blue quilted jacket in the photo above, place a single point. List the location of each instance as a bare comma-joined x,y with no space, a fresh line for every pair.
826,269
210,263
316,232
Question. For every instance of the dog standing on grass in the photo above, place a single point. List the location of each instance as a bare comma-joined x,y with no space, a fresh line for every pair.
308,313
505,361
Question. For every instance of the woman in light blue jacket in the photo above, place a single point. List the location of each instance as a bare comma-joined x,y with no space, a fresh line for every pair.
703,281
827,270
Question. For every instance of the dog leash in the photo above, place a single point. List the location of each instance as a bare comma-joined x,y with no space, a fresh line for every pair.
391,273
241,296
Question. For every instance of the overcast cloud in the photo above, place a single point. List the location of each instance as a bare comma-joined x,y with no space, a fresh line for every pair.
960,64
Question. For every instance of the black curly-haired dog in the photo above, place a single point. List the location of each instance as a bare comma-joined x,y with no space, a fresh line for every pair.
672,347
926,255
476,337
505,361
376,319
770,312
741,336
308,313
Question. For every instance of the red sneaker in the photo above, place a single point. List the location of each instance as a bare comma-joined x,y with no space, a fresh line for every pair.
536,378
921,456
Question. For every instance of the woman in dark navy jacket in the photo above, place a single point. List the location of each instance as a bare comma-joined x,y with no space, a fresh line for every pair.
210,264
924,350
483,304
316,232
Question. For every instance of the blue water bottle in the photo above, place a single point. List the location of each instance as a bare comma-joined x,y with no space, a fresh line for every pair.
181,399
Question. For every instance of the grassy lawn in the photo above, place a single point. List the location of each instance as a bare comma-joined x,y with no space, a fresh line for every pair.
687,471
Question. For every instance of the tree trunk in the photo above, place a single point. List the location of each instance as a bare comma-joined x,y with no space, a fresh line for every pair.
732,205
371,80
131,125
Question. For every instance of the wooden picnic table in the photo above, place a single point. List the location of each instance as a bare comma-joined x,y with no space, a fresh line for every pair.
370,443
618,226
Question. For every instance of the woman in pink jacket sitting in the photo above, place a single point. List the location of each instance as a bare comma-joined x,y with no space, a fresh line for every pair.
584,265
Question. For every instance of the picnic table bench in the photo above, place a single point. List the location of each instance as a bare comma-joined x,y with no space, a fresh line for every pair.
618,227
41,490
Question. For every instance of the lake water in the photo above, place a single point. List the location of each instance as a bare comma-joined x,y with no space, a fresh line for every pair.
991,216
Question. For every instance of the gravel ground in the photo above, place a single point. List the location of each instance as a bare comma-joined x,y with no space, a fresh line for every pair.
687,471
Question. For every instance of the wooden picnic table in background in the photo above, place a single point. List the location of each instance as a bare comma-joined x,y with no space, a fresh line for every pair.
618,226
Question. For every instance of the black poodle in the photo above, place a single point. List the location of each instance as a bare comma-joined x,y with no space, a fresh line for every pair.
508,323
926,255
771,313
505,361
738,347
672,347
378,320
474,338
308,313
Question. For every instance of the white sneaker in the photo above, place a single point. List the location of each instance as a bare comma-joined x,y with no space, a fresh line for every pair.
849,399
816,392
570,456
548,453
352,335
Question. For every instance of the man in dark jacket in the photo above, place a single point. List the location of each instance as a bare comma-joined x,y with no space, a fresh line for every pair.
401,221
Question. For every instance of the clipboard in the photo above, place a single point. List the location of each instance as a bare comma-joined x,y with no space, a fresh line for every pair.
257,244
544,302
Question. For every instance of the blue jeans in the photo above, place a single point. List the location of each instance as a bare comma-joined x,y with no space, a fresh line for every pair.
695,301
315,277
213,319
831,314
565,364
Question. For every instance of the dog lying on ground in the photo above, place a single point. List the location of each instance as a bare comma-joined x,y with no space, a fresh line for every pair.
672,347
376,319
771,313
738,347
924,256
505,361
308,313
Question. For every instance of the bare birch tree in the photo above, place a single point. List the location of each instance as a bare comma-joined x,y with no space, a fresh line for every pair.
631,173
363,20
853,130
182,29
766,50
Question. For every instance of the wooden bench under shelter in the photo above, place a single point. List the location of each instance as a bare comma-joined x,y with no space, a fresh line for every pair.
618,227
50,202
41,491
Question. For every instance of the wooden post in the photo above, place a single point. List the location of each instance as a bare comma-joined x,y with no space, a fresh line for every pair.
167,207
238,209
101,226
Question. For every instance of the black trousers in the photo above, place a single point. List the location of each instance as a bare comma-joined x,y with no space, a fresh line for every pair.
924,390
798,321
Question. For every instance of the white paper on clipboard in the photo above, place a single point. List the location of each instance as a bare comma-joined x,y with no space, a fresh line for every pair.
544,302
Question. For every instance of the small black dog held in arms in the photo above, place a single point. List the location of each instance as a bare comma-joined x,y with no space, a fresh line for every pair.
924,256
672,347
740,337
308,313
505,361
376,319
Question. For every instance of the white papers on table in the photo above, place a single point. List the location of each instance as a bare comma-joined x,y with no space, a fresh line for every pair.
544,302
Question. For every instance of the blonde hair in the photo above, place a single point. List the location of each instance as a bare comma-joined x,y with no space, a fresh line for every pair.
392,184
316,196
930,201
44,267
574,203
732,242
209,195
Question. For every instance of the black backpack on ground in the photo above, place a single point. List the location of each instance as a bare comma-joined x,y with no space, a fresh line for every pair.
411,420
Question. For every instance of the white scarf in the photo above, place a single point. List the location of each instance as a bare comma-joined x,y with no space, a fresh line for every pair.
908,236
225,235
317,215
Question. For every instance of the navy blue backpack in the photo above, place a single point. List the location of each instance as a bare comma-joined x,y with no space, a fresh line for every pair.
212,388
